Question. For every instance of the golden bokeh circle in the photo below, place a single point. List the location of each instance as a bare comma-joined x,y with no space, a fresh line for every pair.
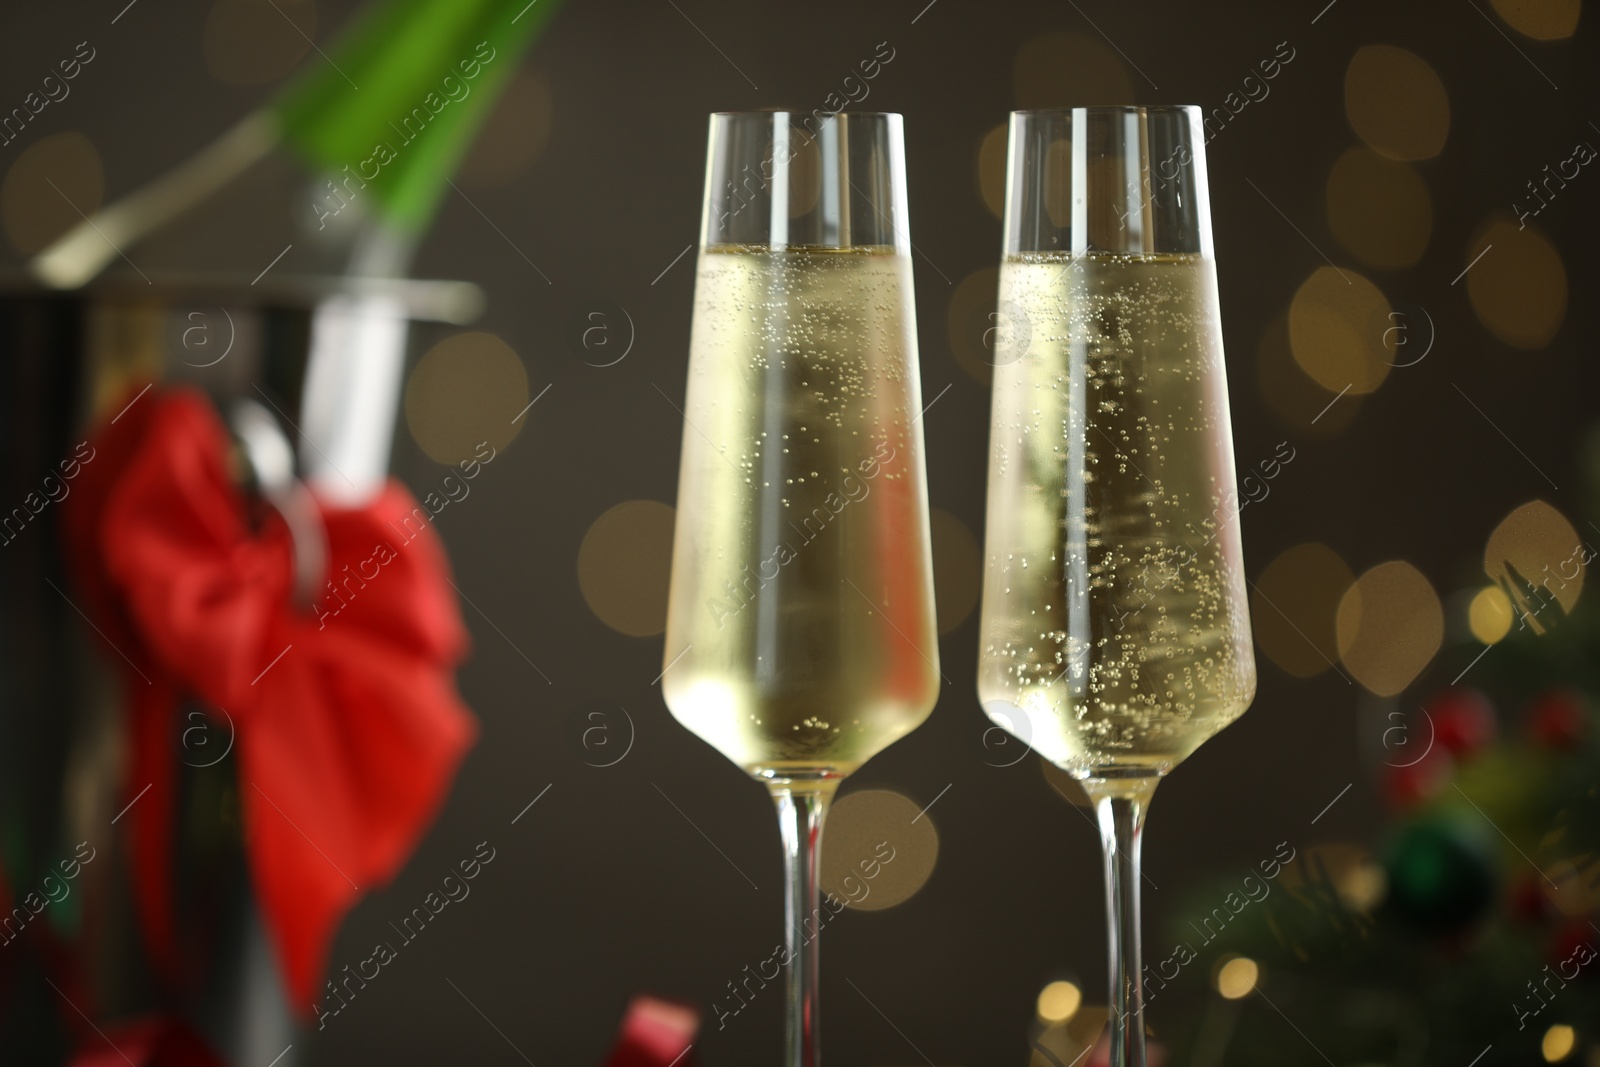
1543,20
1489,615
957,569
1535,554
1292,394
877,852
806,169
1062,69
1363,886
992,170
514,134
1379,209
1396,103
1294,606
1357,876
252,42
1519,285
625,566
1338,321
1389,625
46,188
1237,978
971,316
1558,1043
1059,1001
464,393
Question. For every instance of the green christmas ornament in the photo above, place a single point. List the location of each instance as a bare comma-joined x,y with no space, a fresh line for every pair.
1441,875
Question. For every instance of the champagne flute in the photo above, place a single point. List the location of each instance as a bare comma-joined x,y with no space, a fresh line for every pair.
800,631
1115,637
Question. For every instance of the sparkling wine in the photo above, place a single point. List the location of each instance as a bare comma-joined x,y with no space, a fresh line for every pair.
801,628
1115,634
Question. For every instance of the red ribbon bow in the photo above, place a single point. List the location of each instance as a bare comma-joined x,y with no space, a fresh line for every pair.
348,724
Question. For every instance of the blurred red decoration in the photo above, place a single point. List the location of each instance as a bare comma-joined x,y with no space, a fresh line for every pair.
1414,783
1571,945
1463,720
655,1033
149,1042
1526,900
1556,718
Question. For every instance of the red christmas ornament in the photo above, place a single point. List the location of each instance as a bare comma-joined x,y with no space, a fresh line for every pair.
1463,720
1409,785
1573,949
1557,718
1526,901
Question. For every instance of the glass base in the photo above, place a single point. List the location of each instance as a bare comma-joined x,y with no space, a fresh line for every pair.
798,778
1119,781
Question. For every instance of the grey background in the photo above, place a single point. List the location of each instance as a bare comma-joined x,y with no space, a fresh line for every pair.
603,889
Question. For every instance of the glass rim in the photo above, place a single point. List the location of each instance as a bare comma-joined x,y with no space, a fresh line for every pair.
1125,109
787,111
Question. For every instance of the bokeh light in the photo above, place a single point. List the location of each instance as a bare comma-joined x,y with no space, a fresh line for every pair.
1379,209
1390,624
252,42
46,188
1058,193
957,569
1535,553
1291,394
992,170
625,564
1396,103
805,172
130,340
1085,1028
1363,886
464,392
1061,69
1059,1001
1519,286
1558,1043
877,852
1489,615
516,131
971,317
1294,605
1337,324
1357,876
1543,20
1573,889
1237,978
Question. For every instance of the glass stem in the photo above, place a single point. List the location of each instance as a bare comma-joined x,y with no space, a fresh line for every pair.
800,813
1120,804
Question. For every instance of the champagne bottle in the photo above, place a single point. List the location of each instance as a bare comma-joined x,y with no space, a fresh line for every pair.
309,199
339,174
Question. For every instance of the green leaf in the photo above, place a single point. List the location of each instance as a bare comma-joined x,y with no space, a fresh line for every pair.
398,100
